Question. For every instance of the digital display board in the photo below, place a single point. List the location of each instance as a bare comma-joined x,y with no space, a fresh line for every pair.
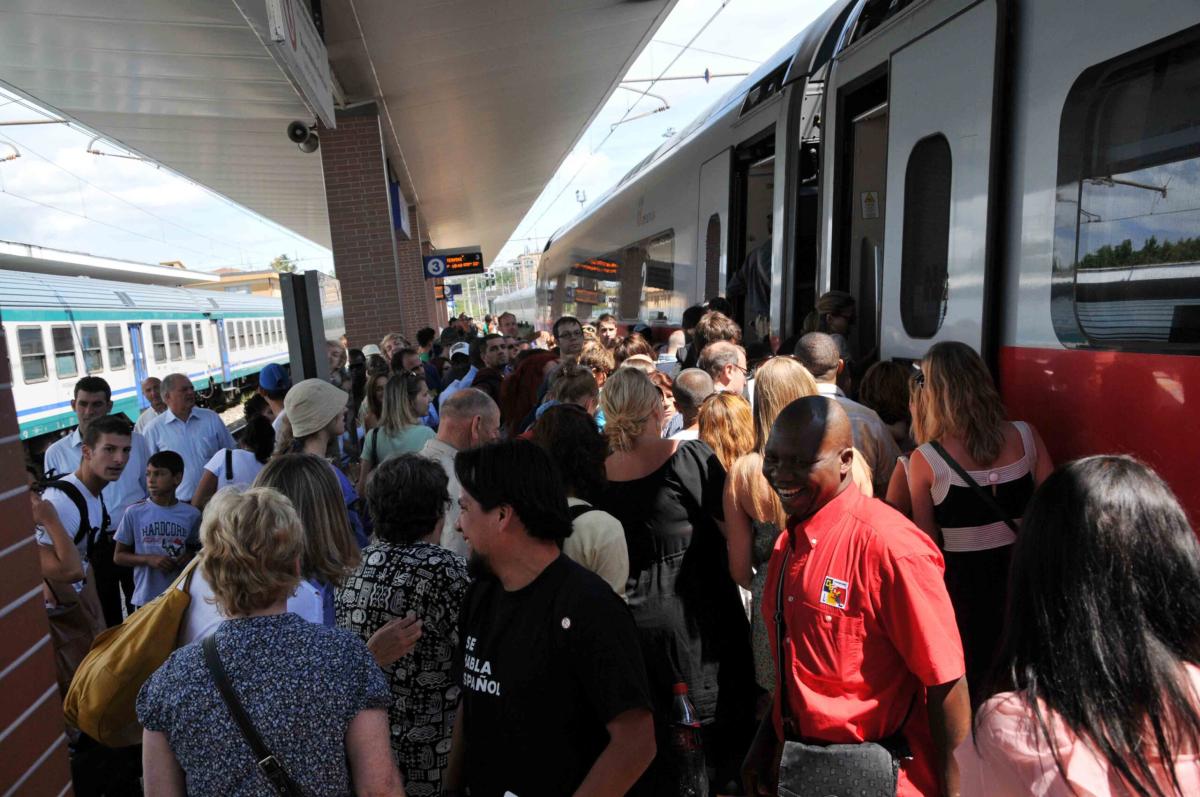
598,268
456,264
439,293
585,296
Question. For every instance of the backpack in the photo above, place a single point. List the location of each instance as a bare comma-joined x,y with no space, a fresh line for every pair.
100,545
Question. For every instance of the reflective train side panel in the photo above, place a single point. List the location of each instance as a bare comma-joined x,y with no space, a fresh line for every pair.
1021,176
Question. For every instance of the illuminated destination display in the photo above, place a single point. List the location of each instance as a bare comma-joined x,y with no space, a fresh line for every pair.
585,296
597,268
454,264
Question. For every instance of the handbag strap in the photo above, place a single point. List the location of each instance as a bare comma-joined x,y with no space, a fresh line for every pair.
981,493
229,464
267,763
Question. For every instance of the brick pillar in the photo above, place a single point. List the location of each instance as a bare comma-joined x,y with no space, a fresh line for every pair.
380,272
33,750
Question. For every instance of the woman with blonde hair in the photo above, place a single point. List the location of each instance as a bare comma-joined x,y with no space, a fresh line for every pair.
330,551
727,426
969,481
314,694
667,495
753,515
400,431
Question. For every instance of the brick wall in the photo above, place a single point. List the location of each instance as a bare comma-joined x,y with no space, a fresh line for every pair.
33,753
367,254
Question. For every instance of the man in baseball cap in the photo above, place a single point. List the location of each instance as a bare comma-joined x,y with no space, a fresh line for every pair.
273,385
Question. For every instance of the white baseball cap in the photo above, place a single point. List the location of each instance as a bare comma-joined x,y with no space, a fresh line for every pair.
462,347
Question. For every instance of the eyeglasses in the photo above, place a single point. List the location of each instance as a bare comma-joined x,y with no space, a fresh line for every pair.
918,378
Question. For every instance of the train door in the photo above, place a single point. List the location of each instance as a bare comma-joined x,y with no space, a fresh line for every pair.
712,222
222,343
752,215
137,350
863,208
939,167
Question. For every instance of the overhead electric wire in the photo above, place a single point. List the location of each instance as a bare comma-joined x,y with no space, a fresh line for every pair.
628,110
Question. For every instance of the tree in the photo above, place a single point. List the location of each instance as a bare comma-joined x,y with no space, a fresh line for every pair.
284,265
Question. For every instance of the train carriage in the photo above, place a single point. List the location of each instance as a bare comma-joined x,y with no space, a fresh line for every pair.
1020,176
59,329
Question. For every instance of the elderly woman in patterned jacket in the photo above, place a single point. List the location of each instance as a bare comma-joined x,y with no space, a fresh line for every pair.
406,573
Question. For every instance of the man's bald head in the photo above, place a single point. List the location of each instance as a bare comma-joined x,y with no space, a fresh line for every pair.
469,418
820,416
808,456
690,389
819,353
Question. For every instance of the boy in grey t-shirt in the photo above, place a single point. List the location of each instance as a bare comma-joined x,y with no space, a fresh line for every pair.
159,535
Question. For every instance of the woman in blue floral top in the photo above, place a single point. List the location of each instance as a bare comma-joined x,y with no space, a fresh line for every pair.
314,693
404,573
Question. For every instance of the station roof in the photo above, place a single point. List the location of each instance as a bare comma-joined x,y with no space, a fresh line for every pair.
481,101
43,260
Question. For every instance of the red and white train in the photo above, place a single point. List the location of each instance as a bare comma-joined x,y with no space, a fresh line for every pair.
1021,175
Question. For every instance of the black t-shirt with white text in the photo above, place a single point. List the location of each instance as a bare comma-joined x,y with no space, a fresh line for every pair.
544,669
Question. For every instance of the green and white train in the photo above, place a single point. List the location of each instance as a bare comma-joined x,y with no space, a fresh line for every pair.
59,329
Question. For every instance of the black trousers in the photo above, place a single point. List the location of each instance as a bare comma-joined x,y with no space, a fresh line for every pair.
111,581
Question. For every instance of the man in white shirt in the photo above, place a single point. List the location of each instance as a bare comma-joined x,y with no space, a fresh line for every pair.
690,389
92,401
106,447
469,419
152,390
819,353
190,431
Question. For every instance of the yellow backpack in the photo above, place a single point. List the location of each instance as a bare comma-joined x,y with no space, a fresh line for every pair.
101,700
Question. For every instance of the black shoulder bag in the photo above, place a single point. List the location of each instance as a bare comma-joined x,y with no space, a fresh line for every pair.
268,764
988,500
229,464
865,769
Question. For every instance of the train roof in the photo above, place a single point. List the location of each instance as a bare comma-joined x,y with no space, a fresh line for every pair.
804,55
21,289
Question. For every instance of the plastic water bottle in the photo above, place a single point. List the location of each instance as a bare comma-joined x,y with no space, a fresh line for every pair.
687,745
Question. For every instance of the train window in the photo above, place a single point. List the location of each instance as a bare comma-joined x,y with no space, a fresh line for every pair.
89,341
925,246
258,333
712,256
65,364
173,340
1126,266
116,347
230,336
241,334
33,354
159,343
199,337
189,342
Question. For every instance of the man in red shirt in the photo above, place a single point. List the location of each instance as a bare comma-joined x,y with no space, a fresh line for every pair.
870,640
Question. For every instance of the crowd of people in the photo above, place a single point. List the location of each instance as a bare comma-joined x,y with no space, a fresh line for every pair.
490,562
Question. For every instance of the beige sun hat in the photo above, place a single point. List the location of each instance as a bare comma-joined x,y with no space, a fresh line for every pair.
310,406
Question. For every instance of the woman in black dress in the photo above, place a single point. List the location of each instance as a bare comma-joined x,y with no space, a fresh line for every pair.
667,495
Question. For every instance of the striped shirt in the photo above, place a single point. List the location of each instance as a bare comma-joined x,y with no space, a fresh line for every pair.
967,523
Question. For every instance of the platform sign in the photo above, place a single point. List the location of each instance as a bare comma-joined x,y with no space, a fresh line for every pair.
454,263
297,47
585,296
454,290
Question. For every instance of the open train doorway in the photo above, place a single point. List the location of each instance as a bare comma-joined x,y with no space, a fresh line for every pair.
859,223
751,228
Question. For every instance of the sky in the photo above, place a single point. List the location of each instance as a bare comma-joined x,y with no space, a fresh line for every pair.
58,195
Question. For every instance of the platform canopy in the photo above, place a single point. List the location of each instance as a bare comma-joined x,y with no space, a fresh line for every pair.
481,100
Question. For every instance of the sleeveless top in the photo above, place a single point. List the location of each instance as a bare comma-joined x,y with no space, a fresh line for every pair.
967,523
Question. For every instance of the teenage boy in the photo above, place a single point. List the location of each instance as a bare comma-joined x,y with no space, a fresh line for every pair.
158,536
76,497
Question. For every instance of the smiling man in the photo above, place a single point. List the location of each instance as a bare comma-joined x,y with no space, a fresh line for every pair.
870,637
